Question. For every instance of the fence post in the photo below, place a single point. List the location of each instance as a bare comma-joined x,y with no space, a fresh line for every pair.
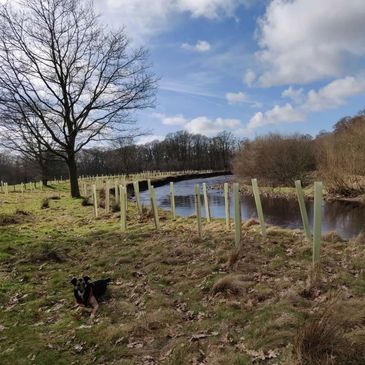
198,209
260,213
123,210
126,196
317,222
303,210
154,207
116,192
237,215
206,202
107,196
172,200
226,205
138,198
95,199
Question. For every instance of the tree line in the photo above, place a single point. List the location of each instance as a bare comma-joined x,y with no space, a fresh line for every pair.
178,151
337,158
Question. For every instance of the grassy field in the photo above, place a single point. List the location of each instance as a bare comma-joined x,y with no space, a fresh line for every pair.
173,299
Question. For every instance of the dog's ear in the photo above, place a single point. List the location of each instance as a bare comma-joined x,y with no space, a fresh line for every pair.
73,281
86,278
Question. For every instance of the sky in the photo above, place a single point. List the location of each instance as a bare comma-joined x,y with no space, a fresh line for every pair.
247,66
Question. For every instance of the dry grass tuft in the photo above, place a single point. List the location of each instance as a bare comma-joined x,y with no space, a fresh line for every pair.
115,207
314,283
332,237
230,284
145,215
234,258
102,193
45,203
359,239
251,222
20,216
102,203
86,202
47,254
323,341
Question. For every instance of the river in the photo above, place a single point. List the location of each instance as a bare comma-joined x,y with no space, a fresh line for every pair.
345,218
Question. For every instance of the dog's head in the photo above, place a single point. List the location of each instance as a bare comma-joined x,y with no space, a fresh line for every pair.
81,286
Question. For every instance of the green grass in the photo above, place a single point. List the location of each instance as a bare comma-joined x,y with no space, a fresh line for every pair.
161,303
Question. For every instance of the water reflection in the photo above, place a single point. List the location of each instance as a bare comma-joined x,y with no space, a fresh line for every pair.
346,218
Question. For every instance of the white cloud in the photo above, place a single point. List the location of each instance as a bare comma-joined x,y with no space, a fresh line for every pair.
306,40
249,77
210,8
277,115
173,120
210,128
200,46
200,125
144,18
335,93
294,94
151,138
235,98
332,95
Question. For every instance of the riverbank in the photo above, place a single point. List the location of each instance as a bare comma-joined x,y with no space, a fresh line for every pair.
289,192
174,299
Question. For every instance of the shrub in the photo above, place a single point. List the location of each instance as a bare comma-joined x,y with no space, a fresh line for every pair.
275,159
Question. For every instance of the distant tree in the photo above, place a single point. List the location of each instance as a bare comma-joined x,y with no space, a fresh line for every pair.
17,137
67,79
341,157
275,159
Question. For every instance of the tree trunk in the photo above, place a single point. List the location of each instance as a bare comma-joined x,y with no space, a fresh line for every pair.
44,173
74,183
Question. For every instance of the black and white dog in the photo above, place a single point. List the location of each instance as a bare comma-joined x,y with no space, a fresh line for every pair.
87,294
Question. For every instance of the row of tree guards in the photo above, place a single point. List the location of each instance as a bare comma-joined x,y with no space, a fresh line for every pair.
98,180
121,197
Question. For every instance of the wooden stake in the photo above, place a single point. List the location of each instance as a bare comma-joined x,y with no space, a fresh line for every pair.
123,210
226,205
206,202
237,215
172,200
303,210
116,192
198,210
317,222
138,197
154,207
95,200
107,197
260,213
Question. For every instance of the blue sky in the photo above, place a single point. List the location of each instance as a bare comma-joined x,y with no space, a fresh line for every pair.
245,66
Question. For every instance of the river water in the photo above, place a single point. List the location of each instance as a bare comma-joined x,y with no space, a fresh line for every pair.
346,218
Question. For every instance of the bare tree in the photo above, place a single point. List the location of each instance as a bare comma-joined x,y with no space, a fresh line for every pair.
15,136
68,79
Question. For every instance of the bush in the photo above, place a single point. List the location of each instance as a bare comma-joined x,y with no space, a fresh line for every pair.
275,159
341,157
